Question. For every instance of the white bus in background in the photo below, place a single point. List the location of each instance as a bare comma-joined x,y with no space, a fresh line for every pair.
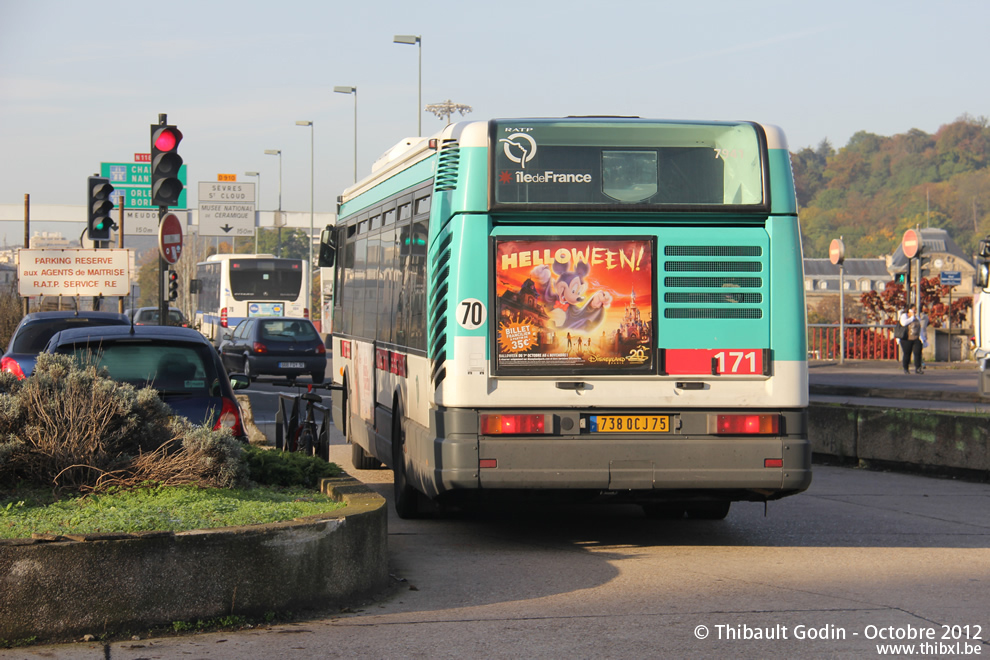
233,287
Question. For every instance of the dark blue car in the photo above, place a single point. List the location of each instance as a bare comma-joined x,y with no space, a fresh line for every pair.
178,362
35,329
277,346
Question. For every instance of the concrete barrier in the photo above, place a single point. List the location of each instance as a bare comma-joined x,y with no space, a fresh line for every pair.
91,584
926,439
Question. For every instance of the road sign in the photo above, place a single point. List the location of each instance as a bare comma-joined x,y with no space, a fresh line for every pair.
950,278
215,191
836,252
911,244
73,272
140,222
170,238
132,183
226,209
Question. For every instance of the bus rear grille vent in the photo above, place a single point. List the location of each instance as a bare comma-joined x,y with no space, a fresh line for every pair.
437,308
439,372
714,282
723,287
448,163
713,266
699,298
713,251
696,313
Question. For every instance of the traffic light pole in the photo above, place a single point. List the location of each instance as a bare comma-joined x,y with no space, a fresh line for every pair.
162,265
162,269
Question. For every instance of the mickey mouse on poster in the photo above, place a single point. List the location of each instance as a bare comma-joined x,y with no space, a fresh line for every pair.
565,295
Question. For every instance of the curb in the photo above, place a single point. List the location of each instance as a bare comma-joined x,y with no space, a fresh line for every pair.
69,586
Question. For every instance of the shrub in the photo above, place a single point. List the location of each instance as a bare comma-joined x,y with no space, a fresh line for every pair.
276,468
70,426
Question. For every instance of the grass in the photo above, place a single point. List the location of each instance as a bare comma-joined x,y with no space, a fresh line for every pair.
182,508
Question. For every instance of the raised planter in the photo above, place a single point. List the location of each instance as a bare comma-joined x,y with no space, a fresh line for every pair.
91,584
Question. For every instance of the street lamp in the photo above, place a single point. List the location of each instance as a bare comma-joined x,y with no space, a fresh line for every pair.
278,221
257,207
351,90
415,40
312,130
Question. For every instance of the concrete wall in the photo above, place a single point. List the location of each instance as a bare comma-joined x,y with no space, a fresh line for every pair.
78,585
922,438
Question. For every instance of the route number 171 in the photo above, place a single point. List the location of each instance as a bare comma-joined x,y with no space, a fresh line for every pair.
739,362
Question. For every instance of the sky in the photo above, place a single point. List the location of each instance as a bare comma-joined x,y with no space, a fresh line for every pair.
80,83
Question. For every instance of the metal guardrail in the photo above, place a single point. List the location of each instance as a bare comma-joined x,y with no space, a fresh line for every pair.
862,342
288,421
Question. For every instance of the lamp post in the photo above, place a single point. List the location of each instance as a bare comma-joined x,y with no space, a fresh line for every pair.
278,221
312,130
415,40
351,90
257,207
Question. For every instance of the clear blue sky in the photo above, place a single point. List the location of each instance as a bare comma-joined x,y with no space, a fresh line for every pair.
81,82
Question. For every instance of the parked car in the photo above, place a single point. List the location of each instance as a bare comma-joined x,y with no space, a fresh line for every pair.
149,316
35,329
178,362
275,346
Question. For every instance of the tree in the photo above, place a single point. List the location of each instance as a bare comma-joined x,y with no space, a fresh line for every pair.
294,245
874,187
886,307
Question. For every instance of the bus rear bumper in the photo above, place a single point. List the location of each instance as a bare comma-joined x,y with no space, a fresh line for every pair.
759,468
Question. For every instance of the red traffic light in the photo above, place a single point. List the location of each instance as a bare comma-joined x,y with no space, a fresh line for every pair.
165,163
167,139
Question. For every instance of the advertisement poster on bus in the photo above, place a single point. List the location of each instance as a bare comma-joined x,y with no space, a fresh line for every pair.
574,305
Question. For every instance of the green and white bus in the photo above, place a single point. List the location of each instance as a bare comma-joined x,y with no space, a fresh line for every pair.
586,305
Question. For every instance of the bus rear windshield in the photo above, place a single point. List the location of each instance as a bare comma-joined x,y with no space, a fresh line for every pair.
630,163
265,279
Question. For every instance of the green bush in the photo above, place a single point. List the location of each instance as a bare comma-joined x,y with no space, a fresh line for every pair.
277,468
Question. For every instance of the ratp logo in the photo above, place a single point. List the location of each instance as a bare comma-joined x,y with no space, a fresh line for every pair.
519,148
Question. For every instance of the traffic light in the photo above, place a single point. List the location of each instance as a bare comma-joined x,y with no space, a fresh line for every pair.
173,285
165,164
98,207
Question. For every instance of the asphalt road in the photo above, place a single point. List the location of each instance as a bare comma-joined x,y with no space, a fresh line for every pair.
859,557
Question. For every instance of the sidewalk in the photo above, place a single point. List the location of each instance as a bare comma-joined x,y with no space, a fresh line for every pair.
943,386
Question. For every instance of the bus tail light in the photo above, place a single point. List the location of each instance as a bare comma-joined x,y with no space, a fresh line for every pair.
230,418
514,423
744,424
259,347
223,317
773,462
10,365
305,312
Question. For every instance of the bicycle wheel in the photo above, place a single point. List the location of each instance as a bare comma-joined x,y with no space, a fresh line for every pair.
305,439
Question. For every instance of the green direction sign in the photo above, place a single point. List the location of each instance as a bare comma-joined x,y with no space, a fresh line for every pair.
132,181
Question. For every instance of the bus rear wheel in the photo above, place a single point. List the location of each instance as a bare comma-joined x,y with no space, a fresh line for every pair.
361,459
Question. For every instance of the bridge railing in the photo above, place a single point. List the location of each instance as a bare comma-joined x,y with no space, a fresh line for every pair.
862,342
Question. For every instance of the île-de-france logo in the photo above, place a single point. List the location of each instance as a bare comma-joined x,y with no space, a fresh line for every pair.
519,148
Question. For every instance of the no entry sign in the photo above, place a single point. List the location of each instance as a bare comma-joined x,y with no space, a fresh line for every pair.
170,238
911,244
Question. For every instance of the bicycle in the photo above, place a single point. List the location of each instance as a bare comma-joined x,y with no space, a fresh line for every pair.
298,430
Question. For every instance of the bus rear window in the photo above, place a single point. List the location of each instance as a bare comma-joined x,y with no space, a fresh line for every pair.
633,164
256,279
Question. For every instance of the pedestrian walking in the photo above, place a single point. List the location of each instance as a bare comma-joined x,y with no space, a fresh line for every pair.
911,340
923,320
